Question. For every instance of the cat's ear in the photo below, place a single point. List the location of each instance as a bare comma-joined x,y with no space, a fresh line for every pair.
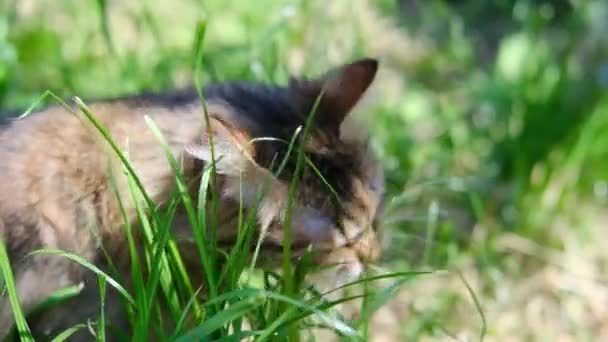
341,89
231,148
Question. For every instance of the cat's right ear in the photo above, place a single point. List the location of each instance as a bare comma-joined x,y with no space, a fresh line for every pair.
232,151
340,89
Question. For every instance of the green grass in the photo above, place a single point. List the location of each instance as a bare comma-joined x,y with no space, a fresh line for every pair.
495,160
9,283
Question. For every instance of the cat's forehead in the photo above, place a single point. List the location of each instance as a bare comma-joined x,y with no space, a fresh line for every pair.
267,111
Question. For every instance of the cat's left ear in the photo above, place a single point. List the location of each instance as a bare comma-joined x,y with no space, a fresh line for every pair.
341,89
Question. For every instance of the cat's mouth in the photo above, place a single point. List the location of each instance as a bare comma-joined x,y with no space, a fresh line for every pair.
337,265
362,245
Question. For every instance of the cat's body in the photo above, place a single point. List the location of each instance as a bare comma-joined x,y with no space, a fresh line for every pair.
57,170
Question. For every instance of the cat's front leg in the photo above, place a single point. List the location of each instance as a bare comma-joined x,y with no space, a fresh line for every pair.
39,275
84,308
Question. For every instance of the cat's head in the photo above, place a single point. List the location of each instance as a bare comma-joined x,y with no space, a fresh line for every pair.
338,195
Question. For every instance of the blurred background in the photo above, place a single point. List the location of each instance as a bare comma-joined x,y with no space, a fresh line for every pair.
491,118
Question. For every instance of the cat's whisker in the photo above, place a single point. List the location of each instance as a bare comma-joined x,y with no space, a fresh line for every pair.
254,140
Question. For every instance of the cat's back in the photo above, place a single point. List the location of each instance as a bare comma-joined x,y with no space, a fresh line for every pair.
56,160
57,152
39,154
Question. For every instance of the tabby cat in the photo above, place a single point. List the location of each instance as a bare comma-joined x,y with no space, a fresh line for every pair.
56,179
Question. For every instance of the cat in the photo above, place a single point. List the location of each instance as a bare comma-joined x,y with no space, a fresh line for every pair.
56,177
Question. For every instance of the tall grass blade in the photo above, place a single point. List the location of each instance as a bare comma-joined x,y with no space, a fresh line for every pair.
136,267
288,285
85,263
222,318
370,279
58,296
102,10
66,334
11,289
101,323
478,307
182,319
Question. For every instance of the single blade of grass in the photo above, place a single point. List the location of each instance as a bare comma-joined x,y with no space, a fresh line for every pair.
101,323
378,277
374,301
158,326
302,267
323,180
222,318
430,232
85,263
239,336
202,202
410,193
199,40
58,297
66,334
234,295
288,285
11,288
91,327
34,105
102,10
152,24
482,332
201,30
136,268
182,319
